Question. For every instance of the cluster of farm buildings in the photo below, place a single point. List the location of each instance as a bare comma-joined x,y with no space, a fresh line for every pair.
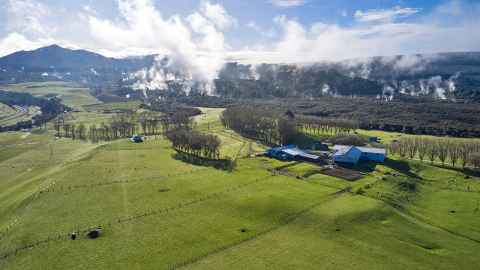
341,154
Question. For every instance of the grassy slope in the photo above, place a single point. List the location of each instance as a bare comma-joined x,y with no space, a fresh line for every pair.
71,95
16,117
5,110
158,212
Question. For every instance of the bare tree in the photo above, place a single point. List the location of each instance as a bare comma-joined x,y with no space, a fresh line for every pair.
475,160
442,151
453,152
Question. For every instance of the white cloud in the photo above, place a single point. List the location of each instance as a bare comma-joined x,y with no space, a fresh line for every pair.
432,33
196,42
195,45
16,42
287,3
24,16
384,15
218,15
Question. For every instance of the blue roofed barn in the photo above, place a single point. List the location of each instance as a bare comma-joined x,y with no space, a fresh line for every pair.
353,154
346,154
373,154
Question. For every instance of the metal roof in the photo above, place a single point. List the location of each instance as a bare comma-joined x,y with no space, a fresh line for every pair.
341,149
344,149
298,152
372,150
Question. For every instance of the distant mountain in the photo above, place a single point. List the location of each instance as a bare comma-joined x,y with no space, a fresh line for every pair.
446,76
57,58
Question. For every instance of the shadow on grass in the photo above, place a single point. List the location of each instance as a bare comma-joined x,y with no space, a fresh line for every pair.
220,164
467,171
401,166
362,166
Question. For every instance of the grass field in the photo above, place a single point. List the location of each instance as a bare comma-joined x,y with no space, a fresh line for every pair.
19,114
5,110
72,95
158,212
132,105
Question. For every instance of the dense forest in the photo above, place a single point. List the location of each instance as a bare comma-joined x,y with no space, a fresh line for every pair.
264,81
433,118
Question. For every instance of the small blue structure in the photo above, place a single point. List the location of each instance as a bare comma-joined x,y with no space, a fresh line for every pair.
291,152
353,154
136,138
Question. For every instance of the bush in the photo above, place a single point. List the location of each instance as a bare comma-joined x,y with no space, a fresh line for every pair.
360,191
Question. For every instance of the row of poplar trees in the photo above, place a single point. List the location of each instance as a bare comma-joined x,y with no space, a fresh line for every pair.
122,125
454,152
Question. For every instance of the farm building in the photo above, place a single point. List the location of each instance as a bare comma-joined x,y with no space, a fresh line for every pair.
373,154
353,154
346,154
291,152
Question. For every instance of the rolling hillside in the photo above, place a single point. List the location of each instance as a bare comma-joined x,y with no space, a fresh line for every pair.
158,212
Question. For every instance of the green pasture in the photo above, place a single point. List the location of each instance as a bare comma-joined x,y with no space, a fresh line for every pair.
159,212
71,94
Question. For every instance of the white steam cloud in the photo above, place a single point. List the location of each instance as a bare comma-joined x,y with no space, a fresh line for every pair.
195,46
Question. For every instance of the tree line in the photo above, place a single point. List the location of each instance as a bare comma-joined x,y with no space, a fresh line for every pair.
195,143
50,108
123,125
255,122
271,127
454,152
317,125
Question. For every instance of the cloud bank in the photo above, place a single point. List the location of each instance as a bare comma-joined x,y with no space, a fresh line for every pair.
197,41
375,33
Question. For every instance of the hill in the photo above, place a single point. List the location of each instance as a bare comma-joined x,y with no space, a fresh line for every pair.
57,58
446,76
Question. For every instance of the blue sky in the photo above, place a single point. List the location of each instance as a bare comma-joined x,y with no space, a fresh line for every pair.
248,30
